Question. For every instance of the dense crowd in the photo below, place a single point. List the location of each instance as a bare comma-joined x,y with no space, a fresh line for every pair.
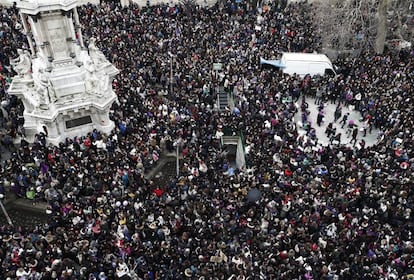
324,212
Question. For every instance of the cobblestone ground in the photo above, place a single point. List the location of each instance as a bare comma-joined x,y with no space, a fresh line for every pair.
24,218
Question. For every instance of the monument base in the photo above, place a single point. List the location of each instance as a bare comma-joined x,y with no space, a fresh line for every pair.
67,123
71,103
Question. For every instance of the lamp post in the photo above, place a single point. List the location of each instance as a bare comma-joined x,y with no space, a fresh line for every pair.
177,155
4,211
178,158
171,71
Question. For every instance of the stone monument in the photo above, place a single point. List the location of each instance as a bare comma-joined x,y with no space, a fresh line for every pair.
66,88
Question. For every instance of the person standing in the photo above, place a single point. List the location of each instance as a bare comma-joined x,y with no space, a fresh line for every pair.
329,130
354,135
319,95
336,140
344,119
319,118
338,112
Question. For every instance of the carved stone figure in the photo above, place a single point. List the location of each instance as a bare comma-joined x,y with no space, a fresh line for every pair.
22,64
45,89
97,56
91,82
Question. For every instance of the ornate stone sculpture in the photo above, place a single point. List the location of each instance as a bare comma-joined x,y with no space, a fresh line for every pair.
97,56
46,93
63,86
91,81
22,64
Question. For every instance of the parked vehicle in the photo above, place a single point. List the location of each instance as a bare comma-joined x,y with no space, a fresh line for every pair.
303,64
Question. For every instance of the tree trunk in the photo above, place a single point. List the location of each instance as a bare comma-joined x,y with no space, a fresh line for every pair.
382,27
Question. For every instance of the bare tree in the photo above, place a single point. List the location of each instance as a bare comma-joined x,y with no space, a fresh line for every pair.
381,26
400,21
363,24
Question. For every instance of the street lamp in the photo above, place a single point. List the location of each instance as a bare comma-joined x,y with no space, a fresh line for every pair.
177,155
171,72
4,210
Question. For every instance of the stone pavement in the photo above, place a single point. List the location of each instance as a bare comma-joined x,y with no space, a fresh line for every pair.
329,109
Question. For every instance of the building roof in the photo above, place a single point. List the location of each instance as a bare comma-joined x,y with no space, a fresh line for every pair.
305,57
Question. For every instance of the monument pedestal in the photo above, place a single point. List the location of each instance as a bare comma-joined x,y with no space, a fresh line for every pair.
65,88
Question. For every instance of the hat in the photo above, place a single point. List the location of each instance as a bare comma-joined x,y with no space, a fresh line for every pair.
76,220
221,245
283,254
164,244
7,238
84,231
215,259
99,211
96,229
21,272
327,212
404,165
241,266
33,263
49,237
153,225
60,230
398,152
17,236
188,272
236,260
78,243
249,225
85,242
102,276
122,221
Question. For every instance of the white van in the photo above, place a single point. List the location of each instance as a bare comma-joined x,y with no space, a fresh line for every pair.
303,64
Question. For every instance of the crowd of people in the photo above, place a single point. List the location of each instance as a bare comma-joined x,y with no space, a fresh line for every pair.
324,212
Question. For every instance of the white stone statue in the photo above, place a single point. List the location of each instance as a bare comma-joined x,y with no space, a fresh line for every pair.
104,83
22,64
45,89
97,56
42,89
92,85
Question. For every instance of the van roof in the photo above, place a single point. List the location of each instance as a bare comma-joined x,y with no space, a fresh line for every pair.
305,57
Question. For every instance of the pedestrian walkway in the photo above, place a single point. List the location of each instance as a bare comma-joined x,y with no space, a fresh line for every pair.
329,109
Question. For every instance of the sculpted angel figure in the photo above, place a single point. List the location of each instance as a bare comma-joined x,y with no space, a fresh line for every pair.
91,82
97,56
22,64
